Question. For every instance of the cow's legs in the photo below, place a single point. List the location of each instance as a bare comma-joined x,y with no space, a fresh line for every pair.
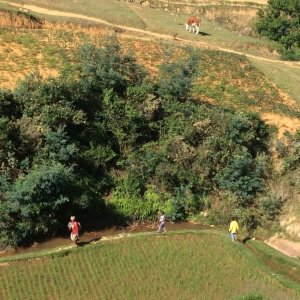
195,28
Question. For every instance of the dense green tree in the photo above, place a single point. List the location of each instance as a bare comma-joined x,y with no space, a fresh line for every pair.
243,175
280,21
108,68
108,129
32,205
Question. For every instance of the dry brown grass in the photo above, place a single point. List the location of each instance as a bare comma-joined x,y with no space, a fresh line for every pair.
223,77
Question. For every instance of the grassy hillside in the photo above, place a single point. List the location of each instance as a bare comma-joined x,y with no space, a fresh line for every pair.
284,76
155,20
113,11
158,20
219,81
190,265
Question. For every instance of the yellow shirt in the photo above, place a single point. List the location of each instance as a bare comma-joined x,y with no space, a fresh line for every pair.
234,227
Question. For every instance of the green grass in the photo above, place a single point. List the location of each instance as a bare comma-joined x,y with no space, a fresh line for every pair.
231,80
159,20
284,76
285,269
27,41
113,11
176,265
170,23
227,79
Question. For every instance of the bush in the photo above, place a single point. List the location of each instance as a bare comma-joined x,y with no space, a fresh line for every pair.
33,206
222,207
176,77
270,205
242,176
134,208
248,218
291,156
182,204
106,68
251,296
289,54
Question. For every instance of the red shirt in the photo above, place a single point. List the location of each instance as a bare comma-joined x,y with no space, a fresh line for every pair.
75,227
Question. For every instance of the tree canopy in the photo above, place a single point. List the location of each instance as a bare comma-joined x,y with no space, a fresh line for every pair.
280,21
108,142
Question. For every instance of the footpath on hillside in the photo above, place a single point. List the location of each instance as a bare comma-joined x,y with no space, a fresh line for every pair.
57,13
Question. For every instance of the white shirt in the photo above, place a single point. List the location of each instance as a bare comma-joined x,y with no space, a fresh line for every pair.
162,219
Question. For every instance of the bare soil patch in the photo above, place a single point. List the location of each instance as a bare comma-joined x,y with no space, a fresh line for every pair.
285,246
283,123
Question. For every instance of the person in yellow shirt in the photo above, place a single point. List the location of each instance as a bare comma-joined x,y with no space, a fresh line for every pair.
233,229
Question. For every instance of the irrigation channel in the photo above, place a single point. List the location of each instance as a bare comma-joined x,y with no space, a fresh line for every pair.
94,236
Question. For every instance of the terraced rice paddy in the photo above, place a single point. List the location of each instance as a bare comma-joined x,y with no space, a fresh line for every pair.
176,265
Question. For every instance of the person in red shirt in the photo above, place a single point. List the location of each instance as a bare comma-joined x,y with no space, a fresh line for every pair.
74,226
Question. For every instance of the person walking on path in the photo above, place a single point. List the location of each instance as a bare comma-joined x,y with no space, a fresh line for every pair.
162,219
233,229
74,227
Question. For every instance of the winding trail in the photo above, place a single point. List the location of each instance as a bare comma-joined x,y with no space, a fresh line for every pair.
58,13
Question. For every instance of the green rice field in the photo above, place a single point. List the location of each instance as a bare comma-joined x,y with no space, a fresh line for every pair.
177,265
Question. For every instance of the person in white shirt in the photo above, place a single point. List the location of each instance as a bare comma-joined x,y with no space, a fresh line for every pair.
162,219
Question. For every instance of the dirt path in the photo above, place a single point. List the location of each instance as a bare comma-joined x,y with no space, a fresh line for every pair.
92,237
285,246
211,2
57,13
205,2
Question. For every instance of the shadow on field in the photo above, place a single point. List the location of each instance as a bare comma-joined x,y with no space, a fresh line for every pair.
246,239
82,244
204,33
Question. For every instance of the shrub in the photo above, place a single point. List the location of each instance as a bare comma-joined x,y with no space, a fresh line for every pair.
248,130
270,206
182,204
291,158
242,176
134,208
176,77
33,206
289,54
248,219
252,296
222,208
106,68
